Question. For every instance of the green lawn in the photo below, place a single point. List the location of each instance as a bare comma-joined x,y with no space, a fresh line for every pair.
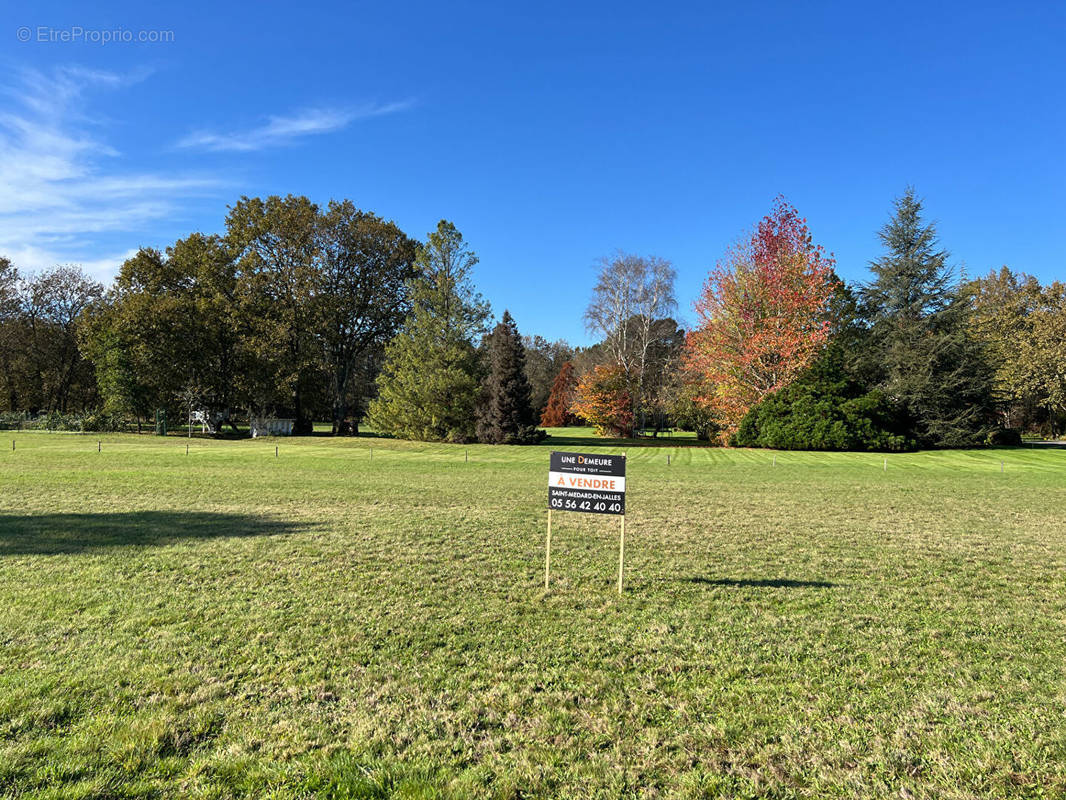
230,623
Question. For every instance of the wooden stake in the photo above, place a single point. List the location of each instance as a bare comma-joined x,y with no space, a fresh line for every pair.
775,459
186,449
621,553
371,453
548,551
97,447
886,465
12,444
466,456
1001,466
275,451
667,459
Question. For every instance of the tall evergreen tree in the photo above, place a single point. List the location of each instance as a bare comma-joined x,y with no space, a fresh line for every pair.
921,351
505,415
430,381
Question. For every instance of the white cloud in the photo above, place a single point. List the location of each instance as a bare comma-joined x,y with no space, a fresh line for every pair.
30,258
58,182
284,130
65,196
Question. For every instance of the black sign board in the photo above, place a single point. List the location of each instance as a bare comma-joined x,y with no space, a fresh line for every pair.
587,482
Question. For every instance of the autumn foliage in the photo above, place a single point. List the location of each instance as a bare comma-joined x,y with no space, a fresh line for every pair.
557,413
603,399
762,315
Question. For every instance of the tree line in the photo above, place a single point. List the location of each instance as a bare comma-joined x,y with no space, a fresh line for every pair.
296,311
785,354
311,312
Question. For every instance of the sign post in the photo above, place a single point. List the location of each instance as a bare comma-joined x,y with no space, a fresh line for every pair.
548,552
591,484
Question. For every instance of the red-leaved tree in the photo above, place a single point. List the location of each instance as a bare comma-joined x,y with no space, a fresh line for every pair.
763,315
557,412
603,399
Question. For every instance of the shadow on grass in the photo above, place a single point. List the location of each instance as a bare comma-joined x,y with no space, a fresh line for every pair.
766,583
56,534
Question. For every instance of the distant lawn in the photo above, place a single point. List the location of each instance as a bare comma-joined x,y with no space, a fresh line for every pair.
583,437
338,623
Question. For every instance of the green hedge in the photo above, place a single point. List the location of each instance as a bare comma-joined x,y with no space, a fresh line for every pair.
91,422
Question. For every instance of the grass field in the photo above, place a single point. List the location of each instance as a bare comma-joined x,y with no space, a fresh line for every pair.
322,624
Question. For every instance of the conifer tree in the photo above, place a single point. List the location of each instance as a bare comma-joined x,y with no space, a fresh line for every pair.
921,350
429,384
504,413
557,413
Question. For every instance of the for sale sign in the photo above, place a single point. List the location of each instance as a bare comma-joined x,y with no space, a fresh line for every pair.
594,484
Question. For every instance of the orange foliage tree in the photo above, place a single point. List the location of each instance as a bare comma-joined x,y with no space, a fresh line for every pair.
557,412
763,315
603,399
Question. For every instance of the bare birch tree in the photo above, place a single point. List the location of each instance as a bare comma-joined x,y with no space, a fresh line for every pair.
631,294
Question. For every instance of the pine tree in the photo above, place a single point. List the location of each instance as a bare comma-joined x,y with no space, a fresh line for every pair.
429,384
921,351
557,413
504,413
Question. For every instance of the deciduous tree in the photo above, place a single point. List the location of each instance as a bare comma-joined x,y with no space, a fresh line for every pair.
56,376
367,265
9,334
1043,352
169,322
631,297
544,359
276,247
603,399
557,413
1003,303
685,404
763,315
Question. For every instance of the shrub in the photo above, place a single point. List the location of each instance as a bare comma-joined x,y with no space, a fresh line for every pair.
824,410
93,421
101,422
55,421
12,420
1005,437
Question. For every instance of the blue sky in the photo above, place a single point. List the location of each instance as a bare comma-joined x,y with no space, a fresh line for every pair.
550,133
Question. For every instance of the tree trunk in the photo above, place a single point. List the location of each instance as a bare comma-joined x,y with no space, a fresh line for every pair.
340,389
340,411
